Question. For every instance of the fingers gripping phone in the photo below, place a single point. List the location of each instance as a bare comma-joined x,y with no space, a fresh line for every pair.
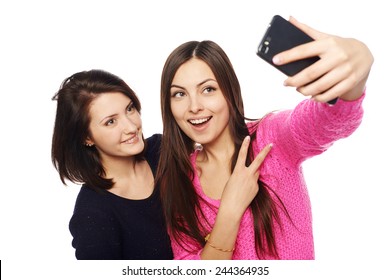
281,35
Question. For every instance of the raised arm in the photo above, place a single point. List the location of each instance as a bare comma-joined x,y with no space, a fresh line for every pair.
341,72
239,192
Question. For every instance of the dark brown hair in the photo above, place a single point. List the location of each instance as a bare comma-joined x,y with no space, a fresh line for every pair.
180,200
74,160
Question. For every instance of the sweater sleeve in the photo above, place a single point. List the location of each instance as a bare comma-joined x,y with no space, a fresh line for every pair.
94,236
95,232
311,128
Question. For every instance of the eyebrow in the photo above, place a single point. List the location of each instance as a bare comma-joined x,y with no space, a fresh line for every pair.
110,116
107,117
198,85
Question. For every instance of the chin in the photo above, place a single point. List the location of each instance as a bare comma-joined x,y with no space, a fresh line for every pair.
201,140
137,149
140,146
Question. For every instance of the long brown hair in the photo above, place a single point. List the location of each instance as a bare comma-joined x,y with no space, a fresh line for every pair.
181,203
74,160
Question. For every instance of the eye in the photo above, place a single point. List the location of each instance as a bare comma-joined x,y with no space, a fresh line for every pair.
109,122
209,89
177,94
131,107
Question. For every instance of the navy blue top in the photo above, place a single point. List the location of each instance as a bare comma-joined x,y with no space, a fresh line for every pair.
105,226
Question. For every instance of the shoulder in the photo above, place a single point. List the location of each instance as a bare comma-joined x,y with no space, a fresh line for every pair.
91,209
266,126
154,143
153,150
91,200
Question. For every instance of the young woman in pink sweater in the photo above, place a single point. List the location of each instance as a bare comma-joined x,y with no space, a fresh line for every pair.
219,202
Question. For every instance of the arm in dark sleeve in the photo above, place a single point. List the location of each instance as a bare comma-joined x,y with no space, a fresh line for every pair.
95,234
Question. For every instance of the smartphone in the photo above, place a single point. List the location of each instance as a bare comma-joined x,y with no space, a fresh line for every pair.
281,35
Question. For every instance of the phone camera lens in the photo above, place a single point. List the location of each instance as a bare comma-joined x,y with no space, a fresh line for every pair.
264,48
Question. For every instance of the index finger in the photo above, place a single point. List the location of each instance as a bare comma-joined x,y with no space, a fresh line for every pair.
302,51
242,154
260,158
315,34
306,50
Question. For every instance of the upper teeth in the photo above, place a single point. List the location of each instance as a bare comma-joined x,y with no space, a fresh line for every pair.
199,121
131,140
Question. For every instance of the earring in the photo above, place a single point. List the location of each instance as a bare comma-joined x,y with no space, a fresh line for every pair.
198,147
88,144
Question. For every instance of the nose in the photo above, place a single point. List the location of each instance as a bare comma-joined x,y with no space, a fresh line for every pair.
195,103
129,126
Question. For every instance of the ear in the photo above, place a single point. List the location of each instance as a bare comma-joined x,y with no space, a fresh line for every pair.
88,142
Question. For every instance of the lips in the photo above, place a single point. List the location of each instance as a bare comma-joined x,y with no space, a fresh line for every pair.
131,140
199,121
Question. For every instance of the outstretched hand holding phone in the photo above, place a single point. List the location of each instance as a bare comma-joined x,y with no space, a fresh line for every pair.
319,65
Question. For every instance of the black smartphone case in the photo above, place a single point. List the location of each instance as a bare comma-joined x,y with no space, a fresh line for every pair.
282,35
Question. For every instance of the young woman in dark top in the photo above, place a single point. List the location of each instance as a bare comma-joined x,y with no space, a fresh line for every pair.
98,142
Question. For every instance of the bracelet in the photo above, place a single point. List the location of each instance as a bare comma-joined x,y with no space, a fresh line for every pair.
215,247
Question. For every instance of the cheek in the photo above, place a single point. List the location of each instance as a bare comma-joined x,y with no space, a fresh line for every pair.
137,120
225,111
177,112
104,139
222,110
220,106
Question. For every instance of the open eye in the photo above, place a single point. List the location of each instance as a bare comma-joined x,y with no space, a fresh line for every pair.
177,94
131,107
109,122
209,89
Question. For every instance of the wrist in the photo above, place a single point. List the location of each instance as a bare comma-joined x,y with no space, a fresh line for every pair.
230,214
356,93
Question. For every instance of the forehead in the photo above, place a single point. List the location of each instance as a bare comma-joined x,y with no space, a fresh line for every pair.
193,70
106,104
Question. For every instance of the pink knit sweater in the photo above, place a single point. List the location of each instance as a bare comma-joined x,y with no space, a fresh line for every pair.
297,135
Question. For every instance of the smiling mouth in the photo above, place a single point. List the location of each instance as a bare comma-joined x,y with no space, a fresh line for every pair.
131,140
198,122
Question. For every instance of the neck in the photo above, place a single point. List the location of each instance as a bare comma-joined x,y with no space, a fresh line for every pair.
132,180
119,167
220,151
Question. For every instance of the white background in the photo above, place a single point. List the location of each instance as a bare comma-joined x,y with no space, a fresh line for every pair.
43,42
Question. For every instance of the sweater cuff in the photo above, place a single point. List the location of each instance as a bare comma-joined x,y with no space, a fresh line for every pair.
346,105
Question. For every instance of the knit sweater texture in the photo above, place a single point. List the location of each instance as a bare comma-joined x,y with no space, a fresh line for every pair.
298,134
105,226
